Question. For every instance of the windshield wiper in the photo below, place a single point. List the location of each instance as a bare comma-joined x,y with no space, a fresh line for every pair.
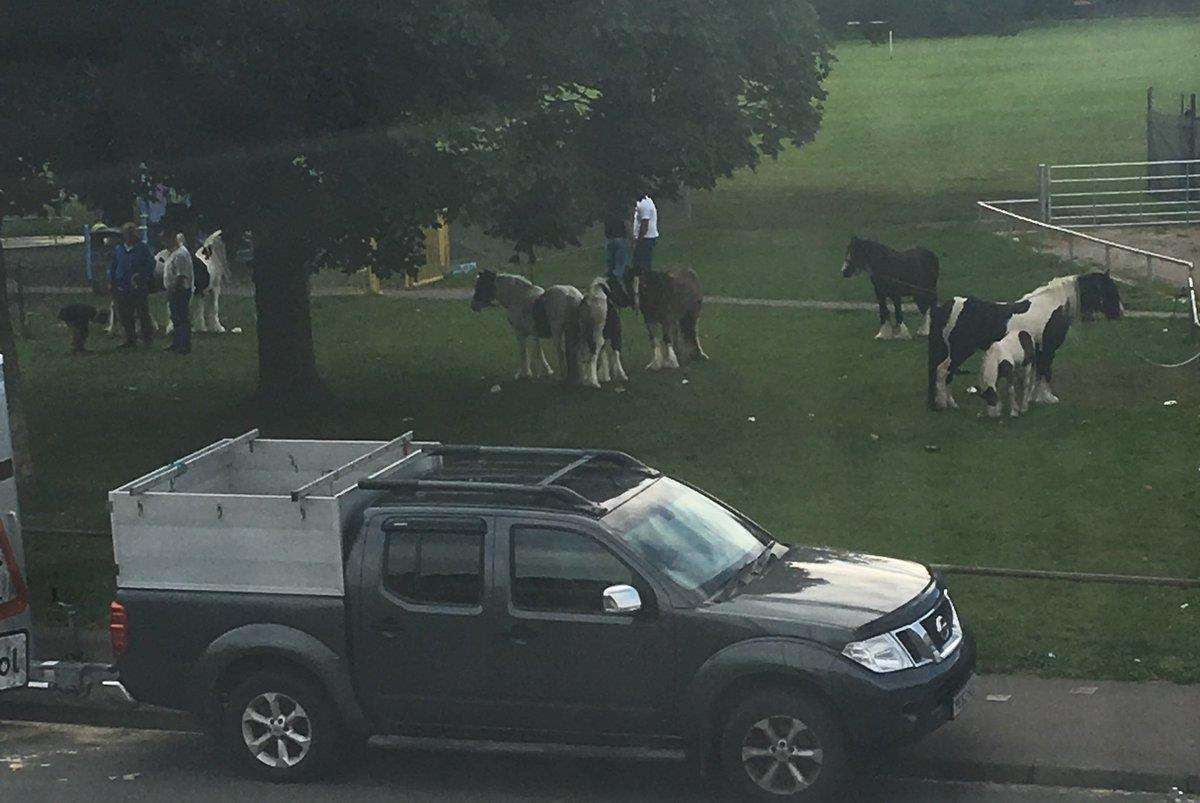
747,572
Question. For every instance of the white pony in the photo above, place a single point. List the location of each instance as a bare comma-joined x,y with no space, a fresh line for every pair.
534,313
208,310
596,338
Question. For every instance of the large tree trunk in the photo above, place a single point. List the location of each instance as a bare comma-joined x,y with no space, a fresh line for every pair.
287,365
22,456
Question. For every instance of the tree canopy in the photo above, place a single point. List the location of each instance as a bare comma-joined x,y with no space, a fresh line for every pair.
344,127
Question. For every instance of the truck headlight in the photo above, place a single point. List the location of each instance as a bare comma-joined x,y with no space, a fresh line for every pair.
881,654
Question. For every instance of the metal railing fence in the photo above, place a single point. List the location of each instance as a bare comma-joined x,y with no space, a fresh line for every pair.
1108,245
1158,193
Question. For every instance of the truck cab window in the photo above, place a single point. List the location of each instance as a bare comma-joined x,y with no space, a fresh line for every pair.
435,568
557,570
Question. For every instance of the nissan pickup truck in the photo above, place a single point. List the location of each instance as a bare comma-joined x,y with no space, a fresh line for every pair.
301,596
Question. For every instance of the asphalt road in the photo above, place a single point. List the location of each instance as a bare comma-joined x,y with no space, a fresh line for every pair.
43,762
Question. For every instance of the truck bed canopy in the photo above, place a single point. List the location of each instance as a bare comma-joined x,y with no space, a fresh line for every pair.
251,514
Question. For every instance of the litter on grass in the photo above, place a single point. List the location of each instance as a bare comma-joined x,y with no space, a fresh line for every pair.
1170,403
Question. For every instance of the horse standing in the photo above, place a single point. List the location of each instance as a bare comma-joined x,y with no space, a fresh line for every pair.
895,275
534,314
962,326
208,310
671,302
595,338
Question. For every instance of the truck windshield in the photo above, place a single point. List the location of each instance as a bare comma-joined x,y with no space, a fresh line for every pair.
698,543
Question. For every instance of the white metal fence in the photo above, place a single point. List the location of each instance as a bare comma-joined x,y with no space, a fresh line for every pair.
1159,193
1109,247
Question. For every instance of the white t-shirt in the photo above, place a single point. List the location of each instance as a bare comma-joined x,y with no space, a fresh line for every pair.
646,211
178,264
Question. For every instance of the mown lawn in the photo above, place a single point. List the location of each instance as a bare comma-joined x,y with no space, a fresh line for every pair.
1104,482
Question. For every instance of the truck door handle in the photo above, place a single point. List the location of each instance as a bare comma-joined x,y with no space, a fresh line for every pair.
389,627
519,634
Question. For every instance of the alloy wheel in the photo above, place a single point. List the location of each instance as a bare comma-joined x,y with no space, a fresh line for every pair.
276,730
782,755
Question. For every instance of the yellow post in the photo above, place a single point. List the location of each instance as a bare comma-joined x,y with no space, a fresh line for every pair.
437,255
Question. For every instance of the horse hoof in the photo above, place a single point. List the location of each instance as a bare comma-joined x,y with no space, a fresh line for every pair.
654,366
902,333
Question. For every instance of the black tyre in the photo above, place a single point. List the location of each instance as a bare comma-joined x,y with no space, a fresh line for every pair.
782,745
280,726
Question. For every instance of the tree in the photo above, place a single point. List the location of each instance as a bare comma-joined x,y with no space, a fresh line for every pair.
25,188
338,129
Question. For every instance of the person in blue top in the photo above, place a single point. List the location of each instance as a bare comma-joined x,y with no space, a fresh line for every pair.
129,278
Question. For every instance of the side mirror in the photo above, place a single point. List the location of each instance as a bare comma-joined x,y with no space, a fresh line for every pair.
622,599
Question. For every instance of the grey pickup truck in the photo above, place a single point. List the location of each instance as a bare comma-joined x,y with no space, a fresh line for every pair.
300,596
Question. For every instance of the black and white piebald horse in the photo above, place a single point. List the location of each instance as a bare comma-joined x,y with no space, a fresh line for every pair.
962,326
1009,359
534,314
895,275
594,337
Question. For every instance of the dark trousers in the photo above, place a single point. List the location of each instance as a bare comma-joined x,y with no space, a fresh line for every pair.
133,310
181,338
643,255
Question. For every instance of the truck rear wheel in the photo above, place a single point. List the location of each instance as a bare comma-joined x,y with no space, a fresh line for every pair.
781,745
279,726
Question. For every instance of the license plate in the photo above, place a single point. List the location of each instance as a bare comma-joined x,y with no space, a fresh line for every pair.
961,697
14,660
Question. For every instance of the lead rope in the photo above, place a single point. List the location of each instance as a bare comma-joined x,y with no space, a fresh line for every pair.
1174,317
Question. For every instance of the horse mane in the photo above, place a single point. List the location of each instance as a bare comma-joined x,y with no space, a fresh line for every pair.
875,249
515,278
1063,289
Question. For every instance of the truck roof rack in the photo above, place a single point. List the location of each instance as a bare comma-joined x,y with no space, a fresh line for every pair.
555,496
581,456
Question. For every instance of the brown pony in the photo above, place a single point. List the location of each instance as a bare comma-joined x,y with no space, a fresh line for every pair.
671,300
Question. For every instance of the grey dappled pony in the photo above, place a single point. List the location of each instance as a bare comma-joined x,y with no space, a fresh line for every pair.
534,314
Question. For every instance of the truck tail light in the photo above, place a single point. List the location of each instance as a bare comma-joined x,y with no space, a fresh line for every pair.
118,628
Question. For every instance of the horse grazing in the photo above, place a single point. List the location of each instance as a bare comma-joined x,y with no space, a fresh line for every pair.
895,275
595,338
534,314
1010,359
671,301
963,326
208,313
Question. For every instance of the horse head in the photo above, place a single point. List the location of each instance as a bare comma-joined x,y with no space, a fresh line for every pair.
485,290
1098,293
855,261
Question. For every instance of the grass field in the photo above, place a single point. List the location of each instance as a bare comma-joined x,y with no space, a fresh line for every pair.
1095,484
1107,481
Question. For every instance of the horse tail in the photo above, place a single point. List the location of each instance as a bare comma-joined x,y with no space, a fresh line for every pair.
939,351
688,325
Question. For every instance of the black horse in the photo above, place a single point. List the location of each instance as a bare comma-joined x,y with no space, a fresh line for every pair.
895,275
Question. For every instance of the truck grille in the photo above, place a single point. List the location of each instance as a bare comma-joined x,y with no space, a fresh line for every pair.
934,636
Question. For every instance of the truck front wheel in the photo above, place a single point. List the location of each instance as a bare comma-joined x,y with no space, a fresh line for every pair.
279,726
781,745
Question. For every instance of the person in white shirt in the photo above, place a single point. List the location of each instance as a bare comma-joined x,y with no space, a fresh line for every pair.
178,279
645,235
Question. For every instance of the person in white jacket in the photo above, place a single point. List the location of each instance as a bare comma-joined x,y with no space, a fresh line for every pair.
178,279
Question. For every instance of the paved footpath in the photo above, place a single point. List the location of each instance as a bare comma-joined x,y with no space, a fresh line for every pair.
464,294
1017,730
56,763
